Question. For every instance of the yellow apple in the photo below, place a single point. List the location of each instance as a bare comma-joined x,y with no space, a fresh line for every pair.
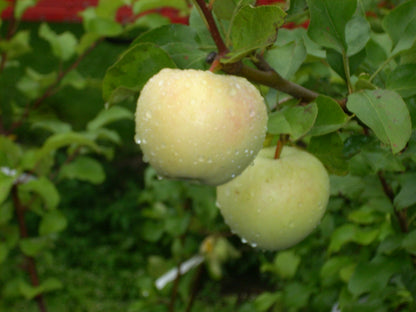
200,126
276,203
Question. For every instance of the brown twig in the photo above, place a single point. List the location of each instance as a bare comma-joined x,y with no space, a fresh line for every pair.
51,89
174,293
195,288
401,215
31,264
13,23
212,27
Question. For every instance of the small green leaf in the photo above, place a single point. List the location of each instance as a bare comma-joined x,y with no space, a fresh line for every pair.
22,6
59,140
4,251
400,24
328,22
134,67
18,45
329,149
385,112
6,183
33,83
30,292
254,28
83,168
330,117
45,189
63,45
407,194
52,222
100,22
33,246
351,233
330,271
373,276
357,34
287,263
6,212
52,125
109,115
145,5
287,59
265,301
74,79
409,242
403,80
295,121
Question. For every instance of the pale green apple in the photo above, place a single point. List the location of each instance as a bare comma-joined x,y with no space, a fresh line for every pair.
275,203
200,126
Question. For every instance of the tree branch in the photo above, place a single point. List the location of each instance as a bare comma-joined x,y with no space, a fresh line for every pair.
51,89
264,74
31,264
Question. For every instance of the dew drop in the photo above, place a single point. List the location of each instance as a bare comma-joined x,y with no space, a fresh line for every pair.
254,245
159,177
252,113
217,204
243,240
137,139
148,115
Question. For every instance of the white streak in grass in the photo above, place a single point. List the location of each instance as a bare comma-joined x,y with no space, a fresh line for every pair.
184,267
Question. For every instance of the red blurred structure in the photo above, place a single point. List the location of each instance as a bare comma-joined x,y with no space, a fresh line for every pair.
68,11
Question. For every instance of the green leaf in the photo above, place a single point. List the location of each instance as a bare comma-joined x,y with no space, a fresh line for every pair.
373,276
385,112
63,45
6,183
83,168
335,60
45,189
18,45
357,34
409,242
60,140
52,125
330,116
407,194
403,80
106,116
74,79
145,5
134,67
52,222
400,24
287,59
30,292
328,22
22,6
329,149
351,233
33,83
6,212
296,294
265,301
4,251
295,121
287,263
33,246
254,28
330,271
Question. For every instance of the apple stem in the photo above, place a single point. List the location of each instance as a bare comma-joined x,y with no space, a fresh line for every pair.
279,147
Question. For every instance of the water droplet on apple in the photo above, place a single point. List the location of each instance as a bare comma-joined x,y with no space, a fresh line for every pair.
254,245
252,113
159,177
148,115
137,140
243,240
217,204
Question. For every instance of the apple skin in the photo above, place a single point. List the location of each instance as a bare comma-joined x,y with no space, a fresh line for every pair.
200,126
276,203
